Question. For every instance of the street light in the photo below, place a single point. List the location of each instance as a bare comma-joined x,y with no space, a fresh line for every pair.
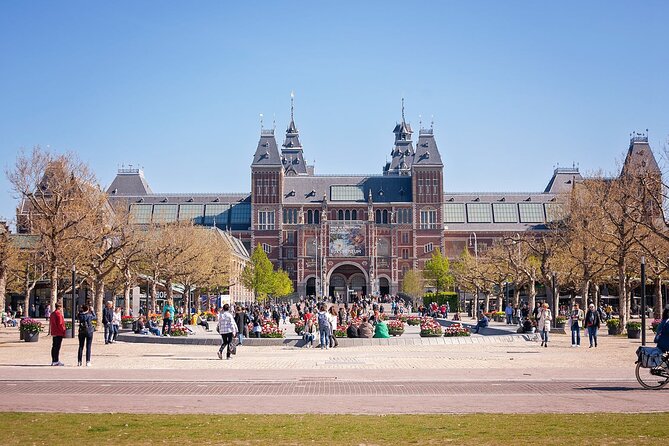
643,300
74,299
475,303
316,288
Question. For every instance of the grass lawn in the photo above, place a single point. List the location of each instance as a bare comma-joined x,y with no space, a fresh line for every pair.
478,429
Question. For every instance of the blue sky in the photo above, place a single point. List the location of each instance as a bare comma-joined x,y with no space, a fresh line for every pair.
177,87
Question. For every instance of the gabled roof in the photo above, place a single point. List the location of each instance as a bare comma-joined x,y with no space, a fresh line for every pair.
427,153
267,152
129,182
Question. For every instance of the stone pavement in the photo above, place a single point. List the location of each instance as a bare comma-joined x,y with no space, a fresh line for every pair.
518,376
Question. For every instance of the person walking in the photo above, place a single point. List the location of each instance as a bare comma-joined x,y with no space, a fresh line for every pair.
107,319
116,323
332,319
662,332
57,329
592,323
576,319
242,320
509,314
168,317
227,327
324,328
544,323
86,330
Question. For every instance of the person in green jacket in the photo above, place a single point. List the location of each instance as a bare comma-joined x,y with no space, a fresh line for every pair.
168,317
381,330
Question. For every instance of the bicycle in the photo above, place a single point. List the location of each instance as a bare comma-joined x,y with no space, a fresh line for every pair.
653,378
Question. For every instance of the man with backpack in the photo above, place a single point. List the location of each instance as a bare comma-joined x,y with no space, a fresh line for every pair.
323,327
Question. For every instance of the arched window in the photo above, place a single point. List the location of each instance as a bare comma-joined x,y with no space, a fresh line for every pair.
317,216
385,216
354,214
378,216
347,215
310,217
340,215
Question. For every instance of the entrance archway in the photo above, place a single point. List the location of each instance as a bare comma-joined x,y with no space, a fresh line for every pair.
311,286
347,279
384,286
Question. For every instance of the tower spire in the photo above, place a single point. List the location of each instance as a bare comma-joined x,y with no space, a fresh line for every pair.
292,104
403,110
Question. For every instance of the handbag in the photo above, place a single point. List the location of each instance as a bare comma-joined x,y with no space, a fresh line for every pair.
233,347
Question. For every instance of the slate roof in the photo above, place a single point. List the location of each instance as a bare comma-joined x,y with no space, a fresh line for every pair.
563,180
427,153
311,189
640,156
267,153
129,182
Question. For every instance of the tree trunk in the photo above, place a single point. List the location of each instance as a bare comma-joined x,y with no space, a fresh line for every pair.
657,297
475,305
516,296
126,298
585,291
533,294
3,288
595,296
54,290
168,288
486,303
99,299
152,302
623,298
198,303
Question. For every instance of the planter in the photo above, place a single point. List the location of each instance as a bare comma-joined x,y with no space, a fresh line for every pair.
633,334
20,335
395,332
613,331
68,332
31,336
560,325
127,326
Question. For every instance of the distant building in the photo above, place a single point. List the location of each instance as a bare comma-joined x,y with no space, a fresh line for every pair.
355,234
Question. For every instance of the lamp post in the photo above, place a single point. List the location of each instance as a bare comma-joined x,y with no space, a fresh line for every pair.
643,300
475,303
317,287
74,298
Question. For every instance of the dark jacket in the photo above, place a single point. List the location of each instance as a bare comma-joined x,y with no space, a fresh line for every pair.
352,331
662,337
107,315
242,320
86,324
592,319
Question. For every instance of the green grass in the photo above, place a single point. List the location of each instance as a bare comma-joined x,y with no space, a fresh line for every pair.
477,429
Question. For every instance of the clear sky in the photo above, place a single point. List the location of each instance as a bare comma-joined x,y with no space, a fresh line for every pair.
177,87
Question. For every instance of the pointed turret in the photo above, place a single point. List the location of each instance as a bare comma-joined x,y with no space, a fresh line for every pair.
292,157
267,152
403,151
640,159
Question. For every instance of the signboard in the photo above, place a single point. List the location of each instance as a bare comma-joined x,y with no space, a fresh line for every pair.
347,240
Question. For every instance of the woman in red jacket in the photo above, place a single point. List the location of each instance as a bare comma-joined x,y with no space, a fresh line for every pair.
57,327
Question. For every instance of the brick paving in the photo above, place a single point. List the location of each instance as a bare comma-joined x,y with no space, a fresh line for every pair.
500,377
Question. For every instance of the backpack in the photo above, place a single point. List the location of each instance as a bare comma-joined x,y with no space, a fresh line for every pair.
323,323
85,325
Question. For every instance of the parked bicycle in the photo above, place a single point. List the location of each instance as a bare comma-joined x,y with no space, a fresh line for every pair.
652,368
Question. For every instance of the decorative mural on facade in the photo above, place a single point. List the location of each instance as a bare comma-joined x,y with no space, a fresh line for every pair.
347,240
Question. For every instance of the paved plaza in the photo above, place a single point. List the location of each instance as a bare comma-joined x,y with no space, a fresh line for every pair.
507,374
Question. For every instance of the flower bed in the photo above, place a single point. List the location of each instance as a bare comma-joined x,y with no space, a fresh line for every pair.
179,331
31,325
340,331
293,319
402,317
395,328
299,327
413,320
127,321
429,328
456,330
270,329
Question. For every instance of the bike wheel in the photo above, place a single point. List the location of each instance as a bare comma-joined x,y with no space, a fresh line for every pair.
648,380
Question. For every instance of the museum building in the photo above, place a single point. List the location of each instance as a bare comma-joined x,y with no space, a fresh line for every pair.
339,235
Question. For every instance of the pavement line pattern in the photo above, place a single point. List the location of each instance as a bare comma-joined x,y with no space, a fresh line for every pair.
312,388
